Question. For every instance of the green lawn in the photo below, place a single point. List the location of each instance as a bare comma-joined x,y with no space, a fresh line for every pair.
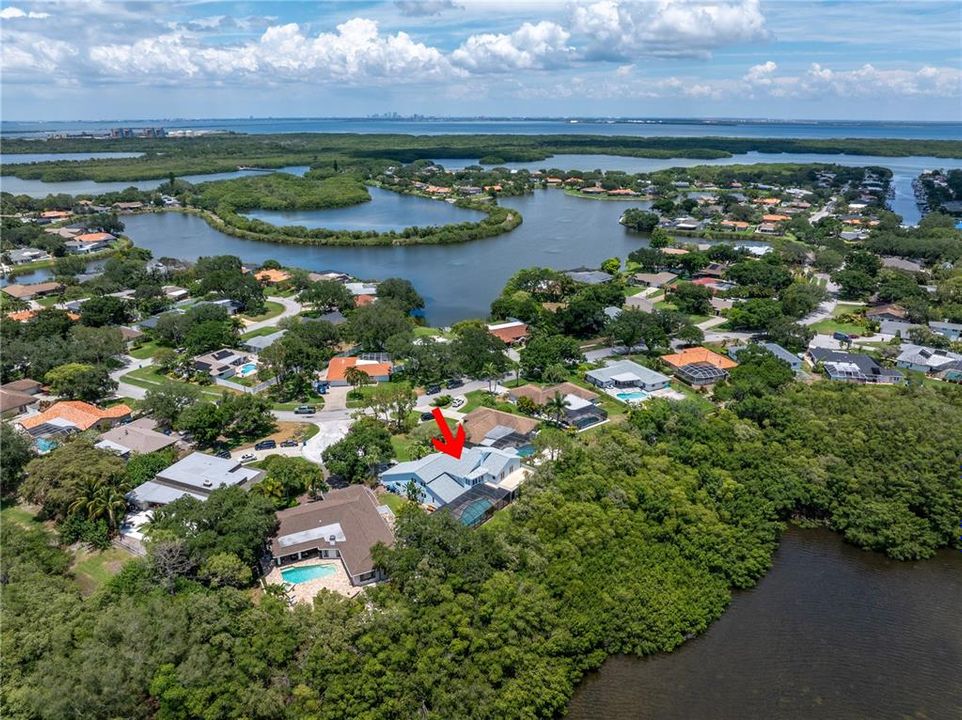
474,402
831,325
273,309
427,332
366,391
395,502
148,378
19,515
145,351
270,330
93,568
316,400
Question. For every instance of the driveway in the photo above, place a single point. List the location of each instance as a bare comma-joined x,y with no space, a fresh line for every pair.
329,432
291,308
125,389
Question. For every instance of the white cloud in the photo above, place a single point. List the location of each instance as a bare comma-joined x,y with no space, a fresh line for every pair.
425,8
24,53
675,28
15,13
867,81
530,47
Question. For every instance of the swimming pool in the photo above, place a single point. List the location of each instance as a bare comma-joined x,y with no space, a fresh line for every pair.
633,396
526,450
247,369
307,572
44,445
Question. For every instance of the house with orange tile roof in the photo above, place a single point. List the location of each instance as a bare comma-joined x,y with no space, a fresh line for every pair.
337,370
54,215
361,300
767,201
269,276
514,332
73,416
25,316
698,355
734,224
775,218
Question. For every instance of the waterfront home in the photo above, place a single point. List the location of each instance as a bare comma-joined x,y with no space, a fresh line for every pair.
952,331
654,280
627,374
494,428
35,290
698,355
513,332
49,216
790,359
22,256
89,242
135,438
361,288
442,478
925,359
853,367
377,370
344,525
197,476
223,363
889,311
129,206
589,277
69,416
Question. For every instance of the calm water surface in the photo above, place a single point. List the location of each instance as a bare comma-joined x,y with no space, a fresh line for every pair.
831,633
21,159
38,188
387,211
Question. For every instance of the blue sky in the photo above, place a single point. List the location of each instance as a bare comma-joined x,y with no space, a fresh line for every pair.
846,59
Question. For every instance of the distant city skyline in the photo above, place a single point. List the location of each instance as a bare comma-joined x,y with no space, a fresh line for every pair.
657,59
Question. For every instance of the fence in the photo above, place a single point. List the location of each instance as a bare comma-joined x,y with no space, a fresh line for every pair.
249,389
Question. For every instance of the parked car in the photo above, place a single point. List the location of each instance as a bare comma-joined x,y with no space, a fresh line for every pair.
841,337
248,457
432,389
455,383
305,410
457,402
427,416
289,443
223,454
266,445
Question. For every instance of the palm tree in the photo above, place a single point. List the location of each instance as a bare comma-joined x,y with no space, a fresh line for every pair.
271,488
516,366
556,406
489,372
108,502
80,504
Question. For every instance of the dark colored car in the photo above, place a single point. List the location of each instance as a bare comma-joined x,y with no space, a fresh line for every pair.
266,445
427,416
289,443
432,389
305,410
223,454
455,383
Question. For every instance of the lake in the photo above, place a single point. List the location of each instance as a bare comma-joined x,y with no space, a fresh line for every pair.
904,169
387,211
456,281
39,188
832,632
21,159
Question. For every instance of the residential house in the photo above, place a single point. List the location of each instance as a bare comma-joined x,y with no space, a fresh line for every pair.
952,331
897,263
261,342
443,479
719,305
34,290
700,374
69,416
890,311
589,277
853,367
231,306
172,292
197,476
361,288
377,370
18,396
336,276
789,358
89,242
344,525
627,374
925,359
494,428
22,256
581,405
513,332
637,302
897,328
654,280
698,355
137,438
129,206
223,363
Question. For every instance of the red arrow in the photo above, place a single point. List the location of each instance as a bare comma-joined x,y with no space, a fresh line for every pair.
452,444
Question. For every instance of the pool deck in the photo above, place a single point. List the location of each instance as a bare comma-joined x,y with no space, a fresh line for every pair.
666,393
338,582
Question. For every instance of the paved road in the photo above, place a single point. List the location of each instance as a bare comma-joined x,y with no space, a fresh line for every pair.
125,389
291,308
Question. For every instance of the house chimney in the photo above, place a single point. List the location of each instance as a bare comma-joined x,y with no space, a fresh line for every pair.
332,540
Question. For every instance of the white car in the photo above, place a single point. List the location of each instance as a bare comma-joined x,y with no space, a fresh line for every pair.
248,457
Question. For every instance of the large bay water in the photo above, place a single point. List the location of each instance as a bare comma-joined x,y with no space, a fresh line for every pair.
831,633
648,127
25,158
